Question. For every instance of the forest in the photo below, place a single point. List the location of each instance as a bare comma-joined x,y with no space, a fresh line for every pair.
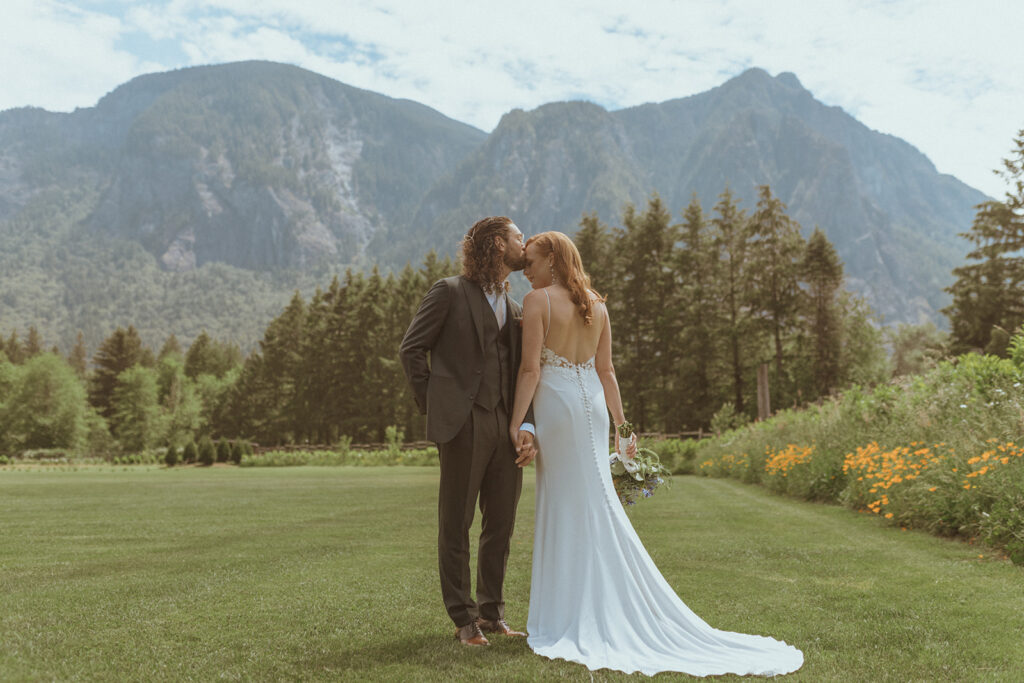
697,304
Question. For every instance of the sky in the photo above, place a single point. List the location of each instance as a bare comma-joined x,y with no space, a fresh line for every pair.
945,75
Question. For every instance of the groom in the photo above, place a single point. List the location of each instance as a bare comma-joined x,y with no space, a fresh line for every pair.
470,328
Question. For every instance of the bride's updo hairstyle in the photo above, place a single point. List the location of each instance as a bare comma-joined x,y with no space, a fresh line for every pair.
568,270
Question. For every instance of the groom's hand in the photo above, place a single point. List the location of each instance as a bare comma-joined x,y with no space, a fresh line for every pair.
526,450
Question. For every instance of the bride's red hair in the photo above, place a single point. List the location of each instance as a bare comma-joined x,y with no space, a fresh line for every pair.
568,267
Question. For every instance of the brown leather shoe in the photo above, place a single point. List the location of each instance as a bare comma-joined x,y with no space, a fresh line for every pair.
470,635
497,626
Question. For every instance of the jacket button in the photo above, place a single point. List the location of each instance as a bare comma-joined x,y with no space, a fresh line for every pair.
471,397
479,372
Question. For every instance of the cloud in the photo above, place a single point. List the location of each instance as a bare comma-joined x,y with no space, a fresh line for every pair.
59,56
941,76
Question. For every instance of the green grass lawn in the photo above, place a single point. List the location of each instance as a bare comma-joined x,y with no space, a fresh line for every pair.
328,573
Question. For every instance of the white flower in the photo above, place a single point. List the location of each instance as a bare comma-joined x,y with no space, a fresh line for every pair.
963,405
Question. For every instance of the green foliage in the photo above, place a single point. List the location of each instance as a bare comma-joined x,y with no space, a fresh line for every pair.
208,356
171,457
135,409
223,451
120,351
916,349
426,457
236,452
190,453
935,451
727,419
42,405
207,452
988,295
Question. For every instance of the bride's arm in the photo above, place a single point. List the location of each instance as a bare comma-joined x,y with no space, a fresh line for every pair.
529,364
606,371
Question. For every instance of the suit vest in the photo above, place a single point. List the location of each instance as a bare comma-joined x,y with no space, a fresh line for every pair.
497,379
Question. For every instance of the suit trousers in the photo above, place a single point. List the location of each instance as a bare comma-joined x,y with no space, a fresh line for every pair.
478,462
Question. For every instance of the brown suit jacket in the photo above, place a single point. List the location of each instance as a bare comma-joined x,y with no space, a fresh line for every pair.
449,325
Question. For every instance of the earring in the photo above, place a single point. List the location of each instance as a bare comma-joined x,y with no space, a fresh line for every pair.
554,280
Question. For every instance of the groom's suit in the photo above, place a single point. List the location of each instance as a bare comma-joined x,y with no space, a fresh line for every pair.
466,391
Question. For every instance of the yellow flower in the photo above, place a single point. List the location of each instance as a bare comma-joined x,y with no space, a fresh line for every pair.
888,515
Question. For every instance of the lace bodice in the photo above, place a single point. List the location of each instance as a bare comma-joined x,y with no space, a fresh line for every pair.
550,358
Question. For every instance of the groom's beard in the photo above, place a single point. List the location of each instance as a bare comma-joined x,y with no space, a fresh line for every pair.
514,263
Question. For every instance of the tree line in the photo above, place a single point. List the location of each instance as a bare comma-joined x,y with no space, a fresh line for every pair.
696,305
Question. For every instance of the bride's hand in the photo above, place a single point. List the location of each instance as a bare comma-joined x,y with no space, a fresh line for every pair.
630,447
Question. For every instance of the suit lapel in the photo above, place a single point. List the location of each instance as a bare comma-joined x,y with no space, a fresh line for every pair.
477,304
510,319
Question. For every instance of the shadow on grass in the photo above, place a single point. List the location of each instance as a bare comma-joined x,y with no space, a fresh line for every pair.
429,651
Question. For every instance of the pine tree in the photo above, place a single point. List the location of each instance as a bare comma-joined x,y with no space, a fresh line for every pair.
34,343
14,349
135,409
823,273
78,358
644,320
988,295
594,242
774,254
698,269
118,352
171,347
732,243
207,356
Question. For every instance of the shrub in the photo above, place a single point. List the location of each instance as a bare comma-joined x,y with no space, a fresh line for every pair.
223,451
236,452
934,452
207,452
171,458
190,453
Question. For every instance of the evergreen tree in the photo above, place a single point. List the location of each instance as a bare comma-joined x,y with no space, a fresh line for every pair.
264,398
732,242
645,319
207,356
698,306
14,350
118,352
190,453
171,347
34,343
171,456
988,294
823,273
207,452
223,451
774,253
594,242
136,409
79,359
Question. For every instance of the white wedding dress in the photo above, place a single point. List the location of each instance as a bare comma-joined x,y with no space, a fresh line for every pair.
595,595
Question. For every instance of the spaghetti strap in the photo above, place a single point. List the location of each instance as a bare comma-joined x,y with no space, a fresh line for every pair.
548,329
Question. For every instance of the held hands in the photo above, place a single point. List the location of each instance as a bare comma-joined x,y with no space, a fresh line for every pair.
526,448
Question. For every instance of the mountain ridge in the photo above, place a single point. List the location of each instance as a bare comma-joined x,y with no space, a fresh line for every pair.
267,167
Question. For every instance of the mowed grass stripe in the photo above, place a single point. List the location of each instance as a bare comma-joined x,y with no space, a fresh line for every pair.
330,573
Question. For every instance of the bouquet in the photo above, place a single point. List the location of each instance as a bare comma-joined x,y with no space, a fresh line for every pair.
635,477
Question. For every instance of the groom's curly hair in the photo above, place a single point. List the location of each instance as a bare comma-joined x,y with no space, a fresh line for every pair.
481,258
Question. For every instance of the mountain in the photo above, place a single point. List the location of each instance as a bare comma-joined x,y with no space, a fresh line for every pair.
198,198
893,218
253,164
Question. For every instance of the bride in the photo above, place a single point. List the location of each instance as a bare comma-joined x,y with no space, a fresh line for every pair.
595,595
